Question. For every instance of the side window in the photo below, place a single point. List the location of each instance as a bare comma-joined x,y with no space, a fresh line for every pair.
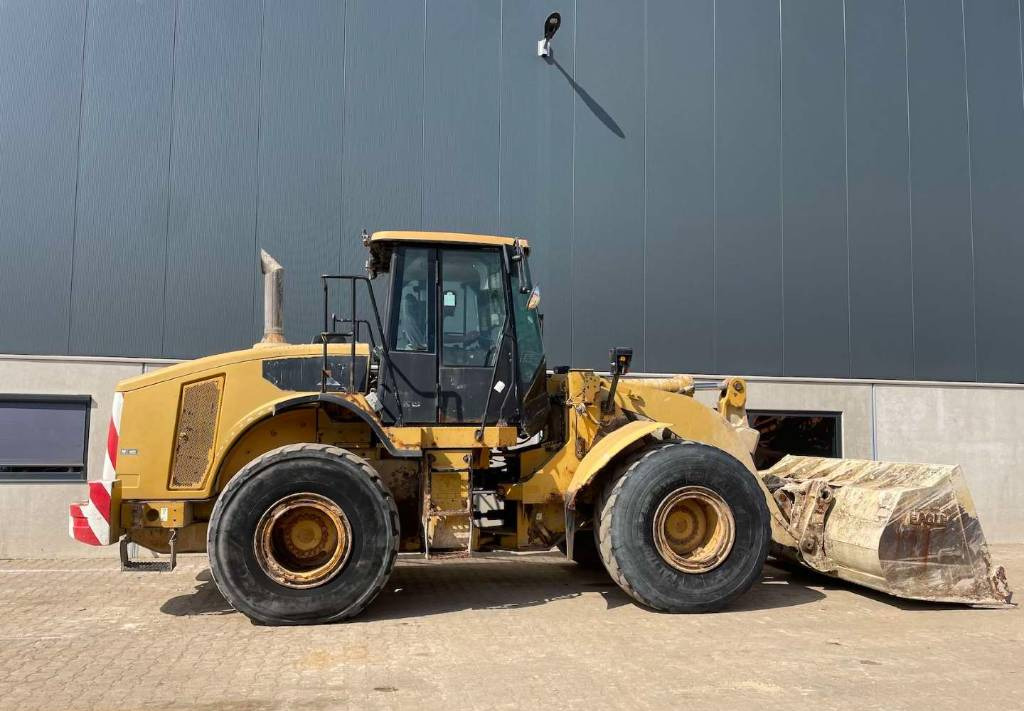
473,304
528,334
411,316
44,437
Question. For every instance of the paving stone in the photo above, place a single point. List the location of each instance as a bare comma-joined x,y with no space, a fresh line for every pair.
494,632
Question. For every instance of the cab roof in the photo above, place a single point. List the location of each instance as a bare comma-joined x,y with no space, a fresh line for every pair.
446,237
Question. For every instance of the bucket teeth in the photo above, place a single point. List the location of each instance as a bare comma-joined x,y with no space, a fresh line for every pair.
910,530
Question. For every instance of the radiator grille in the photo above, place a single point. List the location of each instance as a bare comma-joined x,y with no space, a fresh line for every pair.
196,433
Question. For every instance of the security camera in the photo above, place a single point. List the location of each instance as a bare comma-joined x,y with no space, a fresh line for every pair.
551,26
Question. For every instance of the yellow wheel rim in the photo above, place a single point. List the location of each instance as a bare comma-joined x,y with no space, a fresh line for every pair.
694,530
303,540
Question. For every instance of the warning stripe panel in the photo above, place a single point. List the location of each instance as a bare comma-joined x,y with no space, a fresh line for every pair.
113,437
99,497
89,521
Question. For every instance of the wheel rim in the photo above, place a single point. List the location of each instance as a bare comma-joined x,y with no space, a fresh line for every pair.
303,540
694,530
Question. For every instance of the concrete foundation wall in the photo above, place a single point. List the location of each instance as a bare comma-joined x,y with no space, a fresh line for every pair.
976,426
34,517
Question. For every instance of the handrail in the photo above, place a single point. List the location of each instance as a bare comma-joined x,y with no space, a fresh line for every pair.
325,280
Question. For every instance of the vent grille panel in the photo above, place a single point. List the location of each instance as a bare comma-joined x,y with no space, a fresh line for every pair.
196,433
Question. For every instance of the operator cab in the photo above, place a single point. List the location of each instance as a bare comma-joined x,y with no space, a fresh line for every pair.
462,331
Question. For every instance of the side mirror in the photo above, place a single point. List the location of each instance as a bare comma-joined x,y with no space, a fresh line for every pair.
534,301
620,358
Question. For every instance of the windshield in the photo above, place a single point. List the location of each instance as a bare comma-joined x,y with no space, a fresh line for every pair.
473,306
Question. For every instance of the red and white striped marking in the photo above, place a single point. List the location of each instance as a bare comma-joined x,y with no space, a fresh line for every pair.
113,434
89,521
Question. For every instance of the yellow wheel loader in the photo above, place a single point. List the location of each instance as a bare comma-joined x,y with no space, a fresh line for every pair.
437,427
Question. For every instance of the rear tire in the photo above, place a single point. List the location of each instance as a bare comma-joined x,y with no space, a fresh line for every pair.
366,536
633,505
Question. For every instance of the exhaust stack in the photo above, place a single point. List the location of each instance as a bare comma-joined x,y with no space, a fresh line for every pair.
273,300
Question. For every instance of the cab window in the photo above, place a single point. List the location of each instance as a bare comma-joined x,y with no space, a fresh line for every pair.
528,333
473,307
413,322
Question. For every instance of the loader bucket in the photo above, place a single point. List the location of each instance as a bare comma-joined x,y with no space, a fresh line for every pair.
910,530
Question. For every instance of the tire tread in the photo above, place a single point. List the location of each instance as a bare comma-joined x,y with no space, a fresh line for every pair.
612,551
252,468
606,511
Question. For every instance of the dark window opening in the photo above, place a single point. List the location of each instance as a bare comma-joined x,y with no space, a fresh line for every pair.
814,434
529,342
44,438
412,318
473,297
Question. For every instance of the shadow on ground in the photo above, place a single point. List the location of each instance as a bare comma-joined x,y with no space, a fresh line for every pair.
204,600
419,588
799,575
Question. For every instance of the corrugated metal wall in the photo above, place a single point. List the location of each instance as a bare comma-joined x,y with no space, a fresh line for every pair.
809,187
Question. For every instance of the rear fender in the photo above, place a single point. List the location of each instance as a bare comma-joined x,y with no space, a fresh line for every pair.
222,462
363,413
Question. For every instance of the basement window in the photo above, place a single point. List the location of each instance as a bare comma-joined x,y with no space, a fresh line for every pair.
44,438
814,434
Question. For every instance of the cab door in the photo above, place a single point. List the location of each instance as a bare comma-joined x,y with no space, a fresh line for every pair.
409,385
475,358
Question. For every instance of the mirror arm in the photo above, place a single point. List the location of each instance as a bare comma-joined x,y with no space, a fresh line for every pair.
519,257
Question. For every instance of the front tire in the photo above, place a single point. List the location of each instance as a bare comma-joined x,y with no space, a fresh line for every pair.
304,534
683,527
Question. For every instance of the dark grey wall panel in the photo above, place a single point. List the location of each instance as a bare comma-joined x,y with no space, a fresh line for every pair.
300,152
878,168
608,231
721,186
40,95
680,180
383,171
816,304
121,230
748,259
211,246
535,179
382,175
460,112
940,192
997,169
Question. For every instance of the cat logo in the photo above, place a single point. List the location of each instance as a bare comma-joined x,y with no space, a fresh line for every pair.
927,518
